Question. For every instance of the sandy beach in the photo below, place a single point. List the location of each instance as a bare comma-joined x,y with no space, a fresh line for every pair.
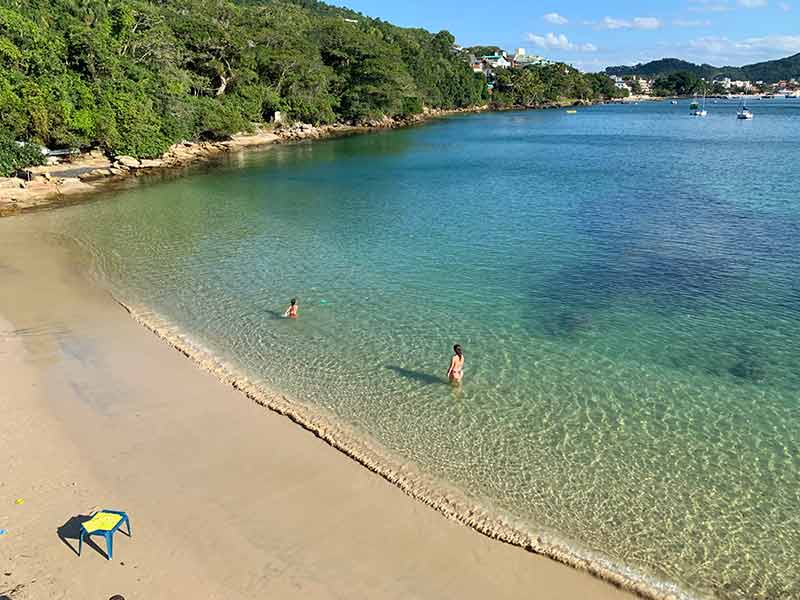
226,499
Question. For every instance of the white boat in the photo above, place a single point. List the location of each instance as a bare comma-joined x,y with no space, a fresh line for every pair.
696,110
744,113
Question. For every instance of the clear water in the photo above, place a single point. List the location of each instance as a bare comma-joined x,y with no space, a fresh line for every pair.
624,281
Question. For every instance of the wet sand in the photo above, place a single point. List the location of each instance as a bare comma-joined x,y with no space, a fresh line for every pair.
226,499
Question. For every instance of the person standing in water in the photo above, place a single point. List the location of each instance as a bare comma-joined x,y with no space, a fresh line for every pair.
456,371
291,312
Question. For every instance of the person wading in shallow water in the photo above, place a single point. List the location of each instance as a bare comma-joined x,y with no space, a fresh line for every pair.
291,312
456,371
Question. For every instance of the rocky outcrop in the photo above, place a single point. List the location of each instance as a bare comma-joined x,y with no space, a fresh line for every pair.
18,194
128,162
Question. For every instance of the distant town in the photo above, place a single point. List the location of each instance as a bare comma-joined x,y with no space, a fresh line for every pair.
636,85
678,83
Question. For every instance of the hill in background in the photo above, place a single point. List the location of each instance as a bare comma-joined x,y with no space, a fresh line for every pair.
769,71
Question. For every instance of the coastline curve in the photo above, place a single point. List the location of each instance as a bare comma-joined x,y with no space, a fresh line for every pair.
449,502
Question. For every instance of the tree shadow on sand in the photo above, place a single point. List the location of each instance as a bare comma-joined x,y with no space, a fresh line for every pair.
419,376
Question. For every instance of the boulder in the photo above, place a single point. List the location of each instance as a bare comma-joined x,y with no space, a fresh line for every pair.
151,163
72,185
128,161
94,174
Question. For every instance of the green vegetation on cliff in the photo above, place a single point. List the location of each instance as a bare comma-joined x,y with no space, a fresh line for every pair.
135,76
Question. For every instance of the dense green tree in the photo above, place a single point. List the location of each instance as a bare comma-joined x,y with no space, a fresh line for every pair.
134,76
603,86
14,156
682,83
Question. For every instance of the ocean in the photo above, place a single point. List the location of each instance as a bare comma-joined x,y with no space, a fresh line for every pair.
625,284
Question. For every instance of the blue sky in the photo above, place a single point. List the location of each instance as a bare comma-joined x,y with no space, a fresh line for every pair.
593,35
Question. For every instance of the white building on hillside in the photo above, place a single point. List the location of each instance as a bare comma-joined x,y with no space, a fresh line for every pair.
523,59
497,61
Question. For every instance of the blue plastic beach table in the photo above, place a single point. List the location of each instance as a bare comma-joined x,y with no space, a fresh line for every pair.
106,523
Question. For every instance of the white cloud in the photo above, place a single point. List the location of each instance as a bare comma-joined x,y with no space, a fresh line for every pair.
725,51
712,6
753,3
555,19
691,23
711,45
784,43
785,6
635,23
609,23
718,45
646,23
551,41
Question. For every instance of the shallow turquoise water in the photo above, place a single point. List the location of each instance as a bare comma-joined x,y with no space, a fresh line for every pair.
624,282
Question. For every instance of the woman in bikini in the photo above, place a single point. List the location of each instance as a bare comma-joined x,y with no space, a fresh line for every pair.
291,312
456,371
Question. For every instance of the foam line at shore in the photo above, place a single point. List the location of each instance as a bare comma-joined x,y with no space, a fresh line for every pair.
450,502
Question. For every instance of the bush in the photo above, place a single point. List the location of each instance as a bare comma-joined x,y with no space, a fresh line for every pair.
215,119
14,157
129,125
412,105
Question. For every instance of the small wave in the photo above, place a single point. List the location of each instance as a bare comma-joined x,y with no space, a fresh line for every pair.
450,502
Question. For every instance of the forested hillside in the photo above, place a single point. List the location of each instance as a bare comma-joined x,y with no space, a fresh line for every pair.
134,76
769,71
664,67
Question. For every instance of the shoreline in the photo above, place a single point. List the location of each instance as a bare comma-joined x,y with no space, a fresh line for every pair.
93,173
167,438
449,502
90,173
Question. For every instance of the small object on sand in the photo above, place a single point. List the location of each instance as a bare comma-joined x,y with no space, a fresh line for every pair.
3,532
116,597
19,501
